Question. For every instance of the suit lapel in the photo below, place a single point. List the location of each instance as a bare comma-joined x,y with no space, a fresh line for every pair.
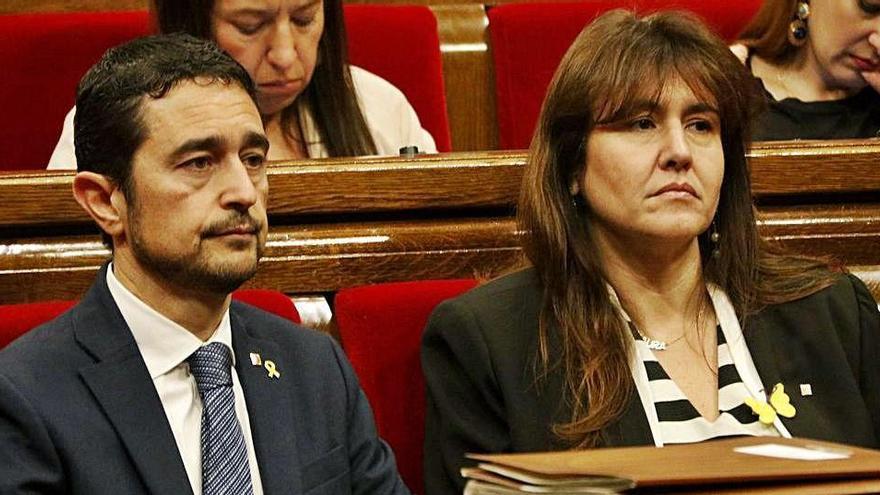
761,341
269,408
123,388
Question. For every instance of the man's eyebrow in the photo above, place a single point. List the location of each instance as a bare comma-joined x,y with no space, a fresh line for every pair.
209,143
256,140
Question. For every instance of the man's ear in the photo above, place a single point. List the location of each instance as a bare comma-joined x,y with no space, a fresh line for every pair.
103,201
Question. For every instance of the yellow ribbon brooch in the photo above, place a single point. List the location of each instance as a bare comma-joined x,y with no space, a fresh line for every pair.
780,403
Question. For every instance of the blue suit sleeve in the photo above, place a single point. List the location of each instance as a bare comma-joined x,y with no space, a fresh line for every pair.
373,468
28,460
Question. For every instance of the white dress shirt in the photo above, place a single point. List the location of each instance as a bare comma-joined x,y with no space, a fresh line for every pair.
165,346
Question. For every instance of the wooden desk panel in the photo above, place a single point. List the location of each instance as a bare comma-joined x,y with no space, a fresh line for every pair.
338,223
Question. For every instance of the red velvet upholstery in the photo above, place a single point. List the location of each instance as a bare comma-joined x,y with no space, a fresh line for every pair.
401,44
381,329
17,319
43,57
529,40
269,300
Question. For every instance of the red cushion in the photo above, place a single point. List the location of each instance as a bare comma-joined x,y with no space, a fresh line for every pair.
18,319
401,44
43,58
269,300
529,40
381,329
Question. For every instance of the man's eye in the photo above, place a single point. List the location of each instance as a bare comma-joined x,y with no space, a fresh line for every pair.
254,161
200,163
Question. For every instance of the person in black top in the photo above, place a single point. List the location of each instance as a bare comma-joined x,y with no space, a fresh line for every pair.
640,230
817,63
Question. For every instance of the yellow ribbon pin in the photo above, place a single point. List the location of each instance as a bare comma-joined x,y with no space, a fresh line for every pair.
270,368
780,403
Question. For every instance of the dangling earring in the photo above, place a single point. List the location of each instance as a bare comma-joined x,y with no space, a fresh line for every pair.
714,237
797,30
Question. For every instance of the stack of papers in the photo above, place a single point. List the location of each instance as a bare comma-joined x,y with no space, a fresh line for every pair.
738,465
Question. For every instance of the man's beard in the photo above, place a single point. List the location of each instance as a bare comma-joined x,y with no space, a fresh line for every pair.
194,270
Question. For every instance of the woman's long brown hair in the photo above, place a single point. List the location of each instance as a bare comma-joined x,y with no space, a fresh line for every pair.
330,95
615,61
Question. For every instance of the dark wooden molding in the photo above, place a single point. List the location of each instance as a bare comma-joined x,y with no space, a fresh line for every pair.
342,222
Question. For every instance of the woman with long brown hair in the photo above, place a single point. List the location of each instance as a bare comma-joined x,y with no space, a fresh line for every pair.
818,64
313,102
651,312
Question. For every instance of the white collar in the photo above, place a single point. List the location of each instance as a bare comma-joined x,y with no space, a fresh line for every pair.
739,352
163,344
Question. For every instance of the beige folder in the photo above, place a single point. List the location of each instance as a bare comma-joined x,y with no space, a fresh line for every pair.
738,465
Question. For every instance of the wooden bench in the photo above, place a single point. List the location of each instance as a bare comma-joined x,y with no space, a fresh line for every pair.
339,223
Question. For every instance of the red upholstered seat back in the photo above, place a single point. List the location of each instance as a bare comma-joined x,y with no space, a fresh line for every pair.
529,40
43,57
18,319
401,44
381,329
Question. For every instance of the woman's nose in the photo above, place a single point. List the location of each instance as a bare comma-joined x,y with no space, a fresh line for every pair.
676,152
281,52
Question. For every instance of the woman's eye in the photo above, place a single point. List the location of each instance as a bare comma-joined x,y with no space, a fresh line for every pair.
248,29
702,126
870,7
642,124
303,21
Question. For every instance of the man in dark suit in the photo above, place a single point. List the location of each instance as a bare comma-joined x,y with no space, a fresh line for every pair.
155,382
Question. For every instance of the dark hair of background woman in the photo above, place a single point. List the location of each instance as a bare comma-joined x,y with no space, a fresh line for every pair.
329,96
601,77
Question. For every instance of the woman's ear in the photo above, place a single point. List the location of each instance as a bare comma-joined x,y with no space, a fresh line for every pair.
102,199
574,188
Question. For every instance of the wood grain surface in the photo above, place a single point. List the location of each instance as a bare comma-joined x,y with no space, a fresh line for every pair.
342,222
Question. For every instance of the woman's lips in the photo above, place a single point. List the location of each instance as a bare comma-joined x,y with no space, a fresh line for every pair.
863,64
677,189
281,87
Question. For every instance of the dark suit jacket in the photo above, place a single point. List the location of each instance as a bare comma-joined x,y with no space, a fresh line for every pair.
79,413
478,354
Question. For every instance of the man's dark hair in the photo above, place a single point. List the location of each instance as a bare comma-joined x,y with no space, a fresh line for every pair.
108,125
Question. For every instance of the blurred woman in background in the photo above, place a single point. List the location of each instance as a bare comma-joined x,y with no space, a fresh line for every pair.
314,104
818,63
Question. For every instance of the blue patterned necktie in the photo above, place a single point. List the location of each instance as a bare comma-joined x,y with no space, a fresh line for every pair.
225,468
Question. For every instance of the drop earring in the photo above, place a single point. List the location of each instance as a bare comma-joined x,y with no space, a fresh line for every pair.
797,30
714,238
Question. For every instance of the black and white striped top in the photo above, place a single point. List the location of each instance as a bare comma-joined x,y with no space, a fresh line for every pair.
680,422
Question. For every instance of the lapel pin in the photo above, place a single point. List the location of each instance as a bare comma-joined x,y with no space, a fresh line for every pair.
270,368
806,389
256,360
780,404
